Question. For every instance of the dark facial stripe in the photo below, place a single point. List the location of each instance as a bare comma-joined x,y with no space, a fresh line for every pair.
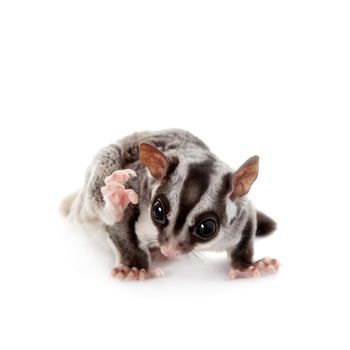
194,187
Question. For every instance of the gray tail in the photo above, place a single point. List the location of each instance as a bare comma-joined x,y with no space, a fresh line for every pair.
265,225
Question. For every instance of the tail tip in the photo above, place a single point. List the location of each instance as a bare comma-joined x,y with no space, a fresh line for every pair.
265,225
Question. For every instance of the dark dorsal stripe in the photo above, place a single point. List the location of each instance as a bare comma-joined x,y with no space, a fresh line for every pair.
195,185
173,163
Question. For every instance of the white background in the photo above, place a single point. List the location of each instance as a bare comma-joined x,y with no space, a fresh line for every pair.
249,77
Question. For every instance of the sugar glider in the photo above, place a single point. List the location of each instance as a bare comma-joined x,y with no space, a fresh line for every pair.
166,194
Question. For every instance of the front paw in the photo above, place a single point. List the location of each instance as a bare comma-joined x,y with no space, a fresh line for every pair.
116,197
134,274
261,267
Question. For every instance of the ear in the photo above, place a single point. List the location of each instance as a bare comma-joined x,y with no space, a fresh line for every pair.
244,177
156,162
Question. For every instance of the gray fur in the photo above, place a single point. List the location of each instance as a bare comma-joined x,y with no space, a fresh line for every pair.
189,198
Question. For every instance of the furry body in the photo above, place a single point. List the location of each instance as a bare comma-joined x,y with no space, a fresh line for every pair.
195,189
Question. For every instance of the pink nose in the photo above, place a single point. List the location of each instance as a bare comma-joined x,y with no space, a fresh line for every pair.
170,251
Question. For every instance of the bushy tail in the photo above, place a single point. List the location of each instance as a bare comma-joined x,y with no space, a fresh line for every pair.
265,224
66,204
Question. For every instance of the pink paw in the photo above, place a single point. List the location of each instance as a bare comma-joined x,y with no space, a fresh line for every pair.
251,271
261,267
134,274
267,265
116,194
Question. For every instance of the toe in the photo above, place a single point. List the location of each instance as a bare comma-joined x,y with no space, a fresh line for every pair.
255,273
121,176
250,272
122,272
120,275
267,260
136,272
267,265
232,274
260,265
158,272
117,273
118,177
130,276
275,263
130,172
132,196
143,274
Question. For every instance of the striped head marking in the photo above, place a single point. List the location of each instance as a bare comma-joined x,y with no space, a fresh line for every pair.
194,199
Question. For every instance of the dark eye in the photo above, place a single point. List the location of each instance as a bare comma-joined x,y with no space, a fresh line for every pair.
206,229
158,212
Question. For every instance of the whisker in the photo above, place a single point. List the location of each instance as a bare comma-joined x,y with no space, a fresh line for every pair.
150,242
193,253
198,255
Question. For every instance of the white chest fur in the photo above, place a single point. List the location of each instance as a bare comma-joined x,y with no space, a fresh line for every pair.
146,231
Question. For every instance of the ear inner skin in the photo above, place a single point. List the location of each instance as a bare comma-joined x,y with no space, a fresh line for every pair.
156,162
244,177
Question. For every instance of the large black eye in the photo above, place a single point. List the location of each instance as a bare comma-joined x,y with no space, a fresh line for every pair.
206,229
158,212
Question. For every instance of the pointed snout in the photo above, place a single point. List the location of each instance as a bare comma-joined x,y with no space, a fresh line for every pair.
170,251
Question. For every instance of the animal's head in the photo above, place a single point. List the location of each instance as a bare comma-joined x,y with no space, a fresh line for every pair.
193,201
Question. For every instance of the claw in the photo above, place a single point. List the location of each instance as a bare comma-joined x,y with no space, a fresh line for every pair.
130,276
134,274
121,176
133,197
158,272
